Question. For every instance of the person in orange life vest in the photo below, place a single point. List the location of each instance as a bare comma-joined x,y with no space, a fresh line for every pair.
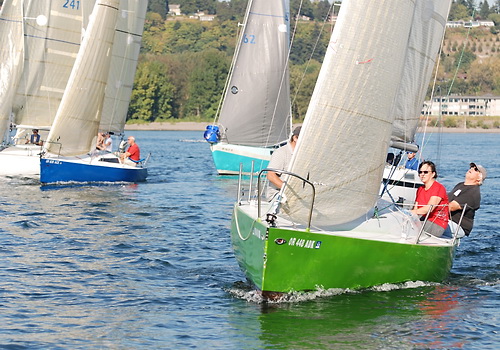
133,152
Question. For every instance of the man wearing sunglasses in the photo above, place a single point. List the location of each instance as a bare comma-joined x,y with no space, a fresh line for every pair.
466,195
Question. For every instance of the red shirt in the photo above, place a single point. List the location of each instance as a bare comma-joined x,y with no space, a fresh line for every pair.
440,213
135,154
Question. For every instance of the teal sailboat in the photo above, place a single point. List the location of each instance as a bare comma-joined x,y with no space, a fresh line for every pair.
255,116
328,227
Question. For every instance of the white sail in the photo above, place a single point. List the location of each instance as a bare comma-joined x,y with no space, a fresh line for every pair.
50,52
11,57
426,36
346,132
126,47
256,107
77,120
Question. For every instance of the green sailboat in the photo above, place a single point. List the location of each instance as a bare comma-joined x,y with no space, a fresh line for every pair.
328,228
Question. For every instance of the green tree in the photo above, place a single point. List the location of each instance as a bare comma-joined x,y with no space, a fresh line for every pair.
458,12
305,10
484,9
231,10
302,81
206,83
152,94
158,6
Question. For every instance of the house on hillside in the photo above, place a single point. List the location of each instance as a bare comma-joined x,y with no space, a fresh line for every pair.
486,105
174,9
470,24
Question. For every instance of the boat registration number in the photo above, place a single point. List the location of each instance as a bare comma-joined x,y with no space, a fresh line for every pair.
53,161
304,243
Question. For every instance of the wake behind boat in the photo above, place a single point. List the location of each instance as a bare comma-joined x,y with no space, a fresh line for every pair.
327,227
255,117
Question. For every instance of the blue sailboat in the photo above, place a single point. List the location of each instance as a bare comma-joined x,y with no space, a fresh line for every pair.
96,99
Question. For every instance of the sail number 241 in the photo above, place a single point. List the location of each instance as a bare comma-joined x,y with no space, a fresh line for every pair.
72,4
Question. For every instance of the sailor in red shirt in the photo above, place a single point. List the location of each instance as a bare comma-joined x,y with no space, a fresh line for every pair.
431,197
132,153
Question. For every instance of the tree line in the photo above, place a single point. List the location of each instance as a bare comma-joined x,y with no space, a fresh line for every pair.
184,62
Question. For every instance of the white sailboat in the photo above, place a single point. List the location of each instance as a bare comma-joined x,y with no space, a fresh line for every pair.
327,229
39,43
97,97
255,116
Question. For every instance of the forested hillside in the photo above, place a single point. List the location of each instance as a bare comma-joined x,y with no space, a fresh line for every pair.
185,61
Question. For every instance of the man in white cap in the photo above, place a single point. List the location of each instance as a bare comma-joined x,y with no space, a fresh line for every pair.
467,195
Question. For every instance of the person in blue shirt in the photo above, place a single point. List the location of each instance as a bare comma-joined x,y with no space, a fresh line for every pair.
412,162
35,138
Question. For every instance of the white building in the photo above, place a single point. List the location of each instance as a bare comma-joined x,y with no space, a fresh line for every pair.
174,9
488,106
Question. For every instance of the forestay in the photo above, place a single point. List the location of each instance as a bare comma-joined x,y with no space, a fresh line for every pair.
256,107
427,32
346,132
77,121
126,47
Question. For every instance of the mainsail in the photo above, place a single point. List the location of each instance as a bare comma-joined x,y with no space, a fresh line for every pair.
256,107
126,47
425,39
11,57
346,132
77,121
50,51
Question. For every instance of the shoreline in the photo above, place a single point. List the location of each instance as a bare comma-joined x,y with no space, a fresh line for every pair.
201,126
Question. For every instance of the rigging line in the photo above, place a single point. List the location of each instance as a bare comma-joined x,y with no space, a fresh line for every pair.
447,94
461,56
332,7
424,140
283,77
451,86
239,39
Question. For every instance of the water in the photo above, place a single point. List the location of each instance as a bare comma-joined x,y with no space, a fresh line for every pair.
150,266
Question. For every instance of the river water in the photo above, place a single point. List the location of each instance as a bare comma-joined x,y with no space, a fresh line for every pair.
150,266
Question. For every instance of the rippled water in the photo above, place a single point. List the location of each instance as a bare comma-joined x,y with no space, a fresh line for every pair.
151,266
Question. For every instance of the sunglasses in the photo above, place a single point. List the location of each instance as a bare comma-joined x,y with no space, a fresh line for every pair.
474,167
424,172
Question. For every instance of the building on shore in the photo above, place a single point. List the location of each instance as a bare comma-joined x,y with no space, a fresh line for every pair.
487,106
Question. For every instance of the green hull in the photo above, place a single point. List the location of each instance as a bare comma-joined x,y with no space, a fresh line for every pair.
284,260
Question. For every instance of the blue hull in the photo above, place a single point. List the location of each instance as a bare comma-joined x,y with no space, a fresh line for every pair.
55,170
228,158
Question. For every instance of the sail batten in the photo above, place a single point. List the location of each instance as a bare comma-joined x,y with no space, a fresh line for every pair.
347,129
256,107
